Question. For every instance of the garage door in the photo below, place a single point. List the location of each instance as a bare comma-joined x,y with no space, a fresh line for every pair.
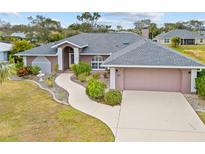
43,63
152,79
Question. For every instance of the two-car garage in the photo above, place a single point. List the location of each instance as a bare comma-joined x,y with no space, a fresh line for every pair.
153,79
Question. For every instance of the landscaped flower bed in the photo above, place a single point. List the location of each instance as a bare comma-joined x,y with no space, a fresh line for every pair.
96,84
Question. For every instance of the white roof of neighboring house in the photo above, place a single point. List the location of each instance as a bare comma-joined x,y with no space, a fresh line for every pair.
19,34
5,47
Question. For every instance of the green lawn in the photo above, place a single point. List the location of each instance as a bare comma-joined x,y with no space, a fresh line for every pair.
201,116
194,51
28,113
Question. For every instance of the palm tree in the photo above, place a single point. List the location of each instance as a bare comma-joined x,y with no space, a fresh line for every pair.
5,71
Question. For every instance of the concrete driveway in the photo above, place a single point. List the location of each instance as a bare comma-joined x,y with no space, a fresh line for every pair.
158,116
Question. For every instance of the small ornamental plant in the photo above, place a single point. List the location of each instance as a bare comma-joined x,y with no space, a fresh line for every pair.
113,97
95,89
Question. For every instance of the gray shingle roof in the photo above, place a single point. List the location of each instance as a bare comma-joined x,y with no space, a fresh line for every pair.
104,42
43,49
149,53
97,43
139,51
182,33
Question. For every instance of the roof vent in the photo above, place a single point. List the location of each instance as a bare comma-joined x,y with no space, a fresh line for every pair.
125,42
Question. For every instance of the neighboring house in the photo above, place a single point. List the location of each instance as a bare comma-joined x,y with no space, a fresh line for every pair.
135,63
4,50
20,35
187,37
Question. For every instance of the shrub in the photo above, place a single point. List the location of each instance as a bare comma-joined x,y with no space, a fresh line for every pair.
23,71
80,68
113,97
88,78
200,85
82,77
29,69
50,80
95,89
19,65
201,73
175,41
35,70
96,75
55,68
74,68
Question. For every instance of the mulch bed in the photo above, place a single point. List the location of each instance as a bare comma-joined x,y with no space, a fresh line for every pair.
60,93
105,80
198,103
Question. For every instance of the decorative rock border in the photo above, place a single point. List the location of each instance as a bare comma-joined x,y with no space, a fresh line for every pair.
46,89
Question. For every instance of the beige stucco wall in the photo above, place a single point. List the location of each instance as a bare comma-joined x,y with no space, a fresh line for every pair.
88,58
153,79
52,59
197,41
161,41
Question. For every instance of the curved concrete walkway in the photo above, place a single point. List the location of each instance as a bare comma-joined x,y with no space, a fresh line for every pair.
79,100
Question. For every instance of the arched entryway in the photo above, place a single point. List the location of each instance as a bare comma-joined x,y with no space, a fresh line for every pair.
68,57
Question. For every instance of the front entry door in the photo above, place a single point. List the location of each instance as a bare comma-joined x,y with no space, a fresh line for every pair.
71,59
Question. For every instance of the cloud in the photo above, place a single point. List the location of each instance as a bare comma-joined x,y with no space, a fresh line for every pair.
126,19
133,16
114,23
15,14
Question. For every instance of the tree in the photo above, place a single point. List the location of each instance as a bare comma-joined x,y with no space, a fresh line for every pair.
119,27
43,27
171,26
89,18
55,36
18,46
140,24
175,42
147,23
5,71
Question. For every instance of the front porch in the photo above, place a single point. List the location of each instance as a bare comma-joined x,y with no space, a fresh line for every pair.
67,55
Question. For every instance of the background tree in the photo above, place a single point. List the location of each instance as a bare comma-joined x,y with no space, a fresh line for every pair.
55,36
89,18
18,46
175,42
147,23
119,28
89,23
43,27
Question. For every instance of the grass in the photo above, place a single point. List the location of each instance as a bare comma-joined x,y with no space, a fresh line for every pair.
196,52
201,116
28,113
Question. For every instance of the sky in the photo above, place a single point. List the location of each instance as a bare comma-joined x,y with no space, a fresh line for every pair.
125,19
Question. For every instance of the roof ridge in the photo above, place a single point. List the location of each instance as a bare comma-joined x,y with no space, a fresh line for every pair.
123,51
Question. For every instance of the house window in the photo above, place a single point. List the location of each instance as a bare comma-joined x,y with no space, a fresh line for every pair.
166,40
96,62
201,40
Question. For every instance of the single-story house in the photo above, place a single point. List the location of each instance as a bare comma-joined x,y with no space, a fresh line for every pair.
135,63
4,50
20,35
187,37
